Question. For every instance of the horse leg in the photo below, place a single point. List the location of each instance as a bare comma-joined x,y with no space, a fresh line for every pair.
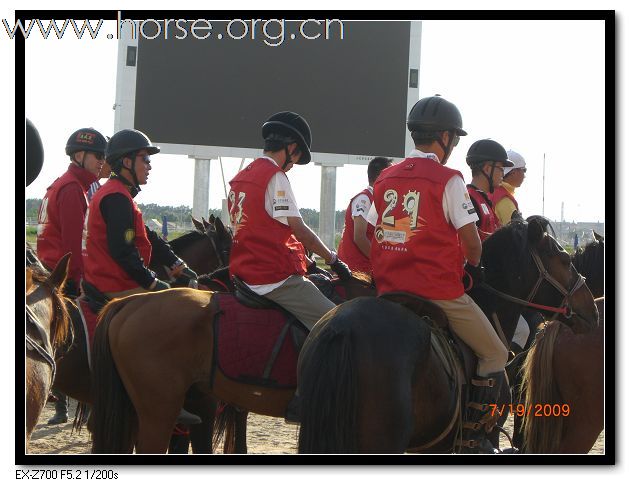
241,432
201,434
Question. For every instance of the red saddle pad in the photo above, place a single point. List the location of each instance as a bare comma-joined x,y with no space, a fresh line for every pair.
244,341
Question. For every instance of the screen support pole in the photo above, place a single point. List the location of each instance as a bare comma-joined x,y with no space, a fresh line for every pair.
201,191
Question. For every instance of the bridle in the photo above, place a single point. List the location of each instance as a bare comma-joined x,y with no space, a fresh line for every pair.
544,275
44,349
223,254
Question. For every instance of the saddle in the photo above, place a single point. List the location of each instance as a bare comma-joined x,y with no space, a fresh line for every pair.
256,340
438,321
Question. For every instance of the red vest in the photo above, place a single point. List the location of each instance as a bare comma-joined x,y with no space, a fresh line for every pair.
49,249
264,250
414,248
348,251
499,193
488,220
100,268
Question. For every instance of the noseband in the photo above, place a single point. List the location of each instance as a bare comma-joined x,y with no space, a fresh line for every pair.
44,349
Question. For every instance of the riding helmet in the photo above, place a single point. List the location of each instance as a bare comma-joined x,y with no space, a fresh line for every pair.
517,159
86,139
289,127
487,151
125,142
34,152
435,114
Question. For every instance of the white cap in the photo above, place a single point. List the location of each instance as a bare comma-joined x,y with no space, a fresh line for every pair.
517,159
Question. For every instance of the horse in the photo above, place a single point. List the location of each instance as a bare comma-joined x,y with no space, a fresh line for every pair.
563,387
202,251
369,378
589,261
47,328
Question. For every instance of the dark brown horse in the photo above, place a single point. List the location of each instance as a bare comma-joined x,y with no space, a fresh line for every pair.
589,261
563,382
369,377
47,328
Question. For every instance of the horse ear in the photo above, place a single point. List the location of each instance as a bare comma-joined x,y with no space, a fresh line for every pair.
598,237
516,216
58,276
198,225
211,219
205,223
535,232
219,226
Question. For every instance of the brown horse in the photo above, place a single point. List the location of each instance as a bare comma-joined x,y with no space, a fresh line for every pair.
563,383
370,379
47,328
202,251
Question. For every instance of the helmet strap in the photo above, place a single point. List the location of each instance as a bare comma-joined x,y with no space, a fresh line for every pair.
490,177
81,162
447,148
132,170
288,156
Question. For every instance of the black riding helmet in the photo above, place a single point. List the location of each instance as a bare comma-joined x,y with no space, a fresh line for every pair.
487,150
86,139
34,152
289,127
435,114
127,142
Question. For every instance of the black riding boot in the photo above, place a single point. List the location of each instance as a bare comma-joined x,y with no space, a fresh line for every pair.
478,420
61,409
187,418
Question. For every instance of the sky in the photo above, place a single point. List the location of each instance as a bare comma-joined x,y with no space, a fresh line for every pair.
569,131
536,87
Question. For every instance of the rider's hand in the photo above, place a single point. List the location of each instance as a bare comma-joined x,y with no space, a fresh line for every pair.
158,285
340,268
313,269
476,274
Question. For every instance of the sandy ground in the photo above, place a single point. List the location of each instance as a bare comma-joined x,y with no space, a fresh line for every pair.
265,435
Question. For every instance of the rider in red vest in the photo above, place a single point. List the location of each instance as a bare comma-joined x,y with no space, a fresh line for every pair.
356,239
425,227
505,203
269,233
62,212
486,159
61,216
117,246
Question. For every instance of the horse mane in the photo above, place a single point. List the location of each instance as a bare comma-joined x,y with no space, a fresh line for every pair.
60,325
221,274
186,239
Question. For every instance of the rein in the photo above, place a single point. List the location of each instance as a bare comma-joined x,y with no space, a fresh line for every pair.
543,275
45,350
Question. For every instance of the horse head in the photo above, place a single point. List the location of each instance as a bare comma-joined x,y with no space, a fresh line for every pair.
45,301
221,238
524,261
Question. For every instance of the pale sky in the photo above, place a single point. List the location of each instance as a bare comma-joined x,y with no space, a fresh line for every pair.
534,86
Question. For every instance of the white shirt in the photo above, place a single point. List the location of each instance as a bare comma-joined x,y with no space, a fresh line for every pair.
456,203
361,205
279,203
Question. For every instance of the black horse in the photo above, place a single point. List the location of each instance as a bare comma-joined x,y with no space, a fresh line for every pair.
589,261
370,379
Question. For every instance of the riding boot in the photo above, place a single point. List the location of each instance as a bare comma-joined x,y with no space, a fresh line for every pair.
292,414
479,419
187,418
61,409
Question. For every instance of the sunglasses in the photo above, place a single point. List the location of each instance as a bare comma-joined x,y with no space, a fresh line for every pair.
145,158
99,156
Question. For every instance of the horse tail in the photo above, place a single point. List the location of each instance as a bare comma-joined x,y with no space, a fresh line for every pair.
225,427
541,434
328,394
113,420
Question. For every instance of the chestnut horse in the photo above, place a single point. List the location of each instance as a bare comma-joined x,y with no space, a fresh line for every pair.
369,377
47,328
202,251
563,382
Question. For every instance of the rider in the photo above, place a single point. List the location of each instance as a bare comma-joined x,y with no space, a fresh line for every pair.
483,158
117,246
61,216
503,197
269,232
424,228
356,238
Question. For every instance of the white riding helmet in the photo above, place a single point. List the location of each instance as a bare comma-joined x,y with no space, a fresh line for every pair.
517,159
